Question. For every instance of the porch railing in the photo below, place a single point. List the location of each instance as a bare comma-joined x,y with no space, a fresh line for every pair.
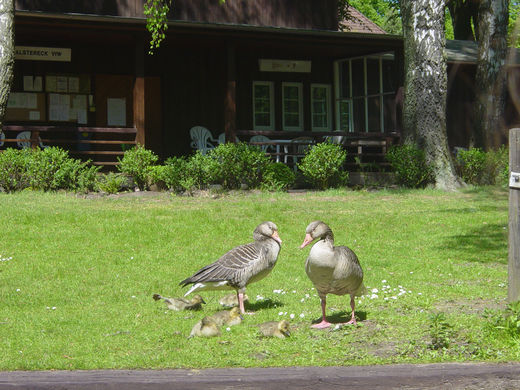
101,145
365,151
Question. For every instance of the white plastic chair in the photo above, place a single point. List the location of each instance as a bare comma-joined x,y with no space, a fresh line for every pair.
222,138
24,140
202,139
262,138
336,139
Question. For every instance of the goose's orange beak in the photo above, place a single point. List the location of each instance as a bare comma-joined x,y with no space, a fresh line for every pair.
307,241
276,237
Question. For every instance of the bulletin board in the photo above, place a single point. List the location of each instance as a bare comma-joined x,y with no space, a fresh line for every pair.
67,107
26,106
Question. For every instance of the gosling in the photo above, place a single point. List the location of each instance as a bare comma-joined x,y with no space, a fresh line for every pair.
227,317
179,304
205,328
231,300
275,329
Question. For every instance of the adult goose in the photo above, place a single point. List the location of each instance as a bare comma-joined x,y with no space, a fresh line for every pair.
332,269
240,266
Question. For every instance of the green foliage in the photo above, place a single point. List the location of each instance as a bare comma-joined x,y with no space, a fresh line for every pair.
409,164
14,165
199,170
497,166
277,177
137,163
111,183
237,163
323,165
483,168
471,164
440,331
156,13
506,323
175,172
49,169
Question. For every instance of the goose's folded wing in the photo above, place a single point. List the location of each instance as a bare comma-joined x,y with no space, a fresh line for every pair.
236,261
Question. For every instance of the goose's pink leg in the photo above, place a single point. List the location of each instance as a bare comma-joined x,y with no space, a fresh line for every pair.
241,302
352,306
324,323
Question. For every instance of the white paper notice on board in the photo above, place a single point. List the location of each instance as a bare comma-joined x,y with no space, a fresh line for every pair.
116,112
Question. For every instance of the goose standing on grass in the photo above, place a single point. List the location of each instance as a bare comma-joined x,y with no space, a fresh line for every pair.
241,266
332,269
179,304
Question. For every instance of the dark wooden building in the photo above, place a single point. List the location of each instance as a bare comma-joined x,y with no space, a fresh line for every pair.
83,75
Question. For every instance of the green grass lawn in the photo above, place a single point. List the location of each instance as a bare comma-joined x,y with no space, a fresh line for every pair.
77,277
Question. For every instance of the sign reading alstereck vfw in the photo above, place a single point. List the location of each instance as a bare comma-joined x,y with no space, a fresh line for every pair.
42,53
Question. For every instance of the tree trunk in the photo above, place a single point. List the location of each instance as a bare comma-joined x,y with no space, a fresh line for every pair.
489,131
6,53
424,113
463,12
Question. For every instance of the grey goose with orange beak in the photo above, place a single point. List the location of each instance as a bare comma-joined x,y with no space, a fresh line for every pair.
241,266
332,269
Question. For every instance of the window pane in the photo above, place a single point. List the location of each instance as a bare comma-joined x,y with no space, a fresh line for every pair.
320,109
262,105
389,76
344,115
373,86
359,114
374,114
291,106
389,113
358,78
344,79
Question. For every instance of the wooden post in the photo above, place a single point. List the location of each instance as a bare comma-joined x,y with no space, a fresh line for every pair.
513,292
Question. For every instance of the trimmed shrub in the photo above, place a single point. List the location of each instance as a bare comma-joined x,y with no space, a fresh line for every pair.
49,169
471,165
497,167
13,169
175,172
409,165
277,177
199,172
237,163
323,165
137,163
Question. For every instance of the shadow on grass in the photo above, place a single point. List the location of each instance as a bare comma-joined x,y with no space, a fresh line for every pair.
341,317
487,244
263,304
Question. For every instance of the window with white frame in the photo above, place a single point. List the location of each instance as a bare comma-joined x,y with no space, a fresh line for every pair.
292,106
365,93
263,105
320,107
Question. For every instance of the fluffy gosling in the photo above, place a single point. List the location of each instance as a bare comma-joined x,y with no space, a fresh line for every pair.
227,317
278,329
205,328
179,304
231,300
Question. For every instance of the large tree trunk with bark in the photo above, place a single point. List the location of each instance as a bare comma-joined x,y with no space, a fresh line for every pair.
489,130
424,113
6,53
